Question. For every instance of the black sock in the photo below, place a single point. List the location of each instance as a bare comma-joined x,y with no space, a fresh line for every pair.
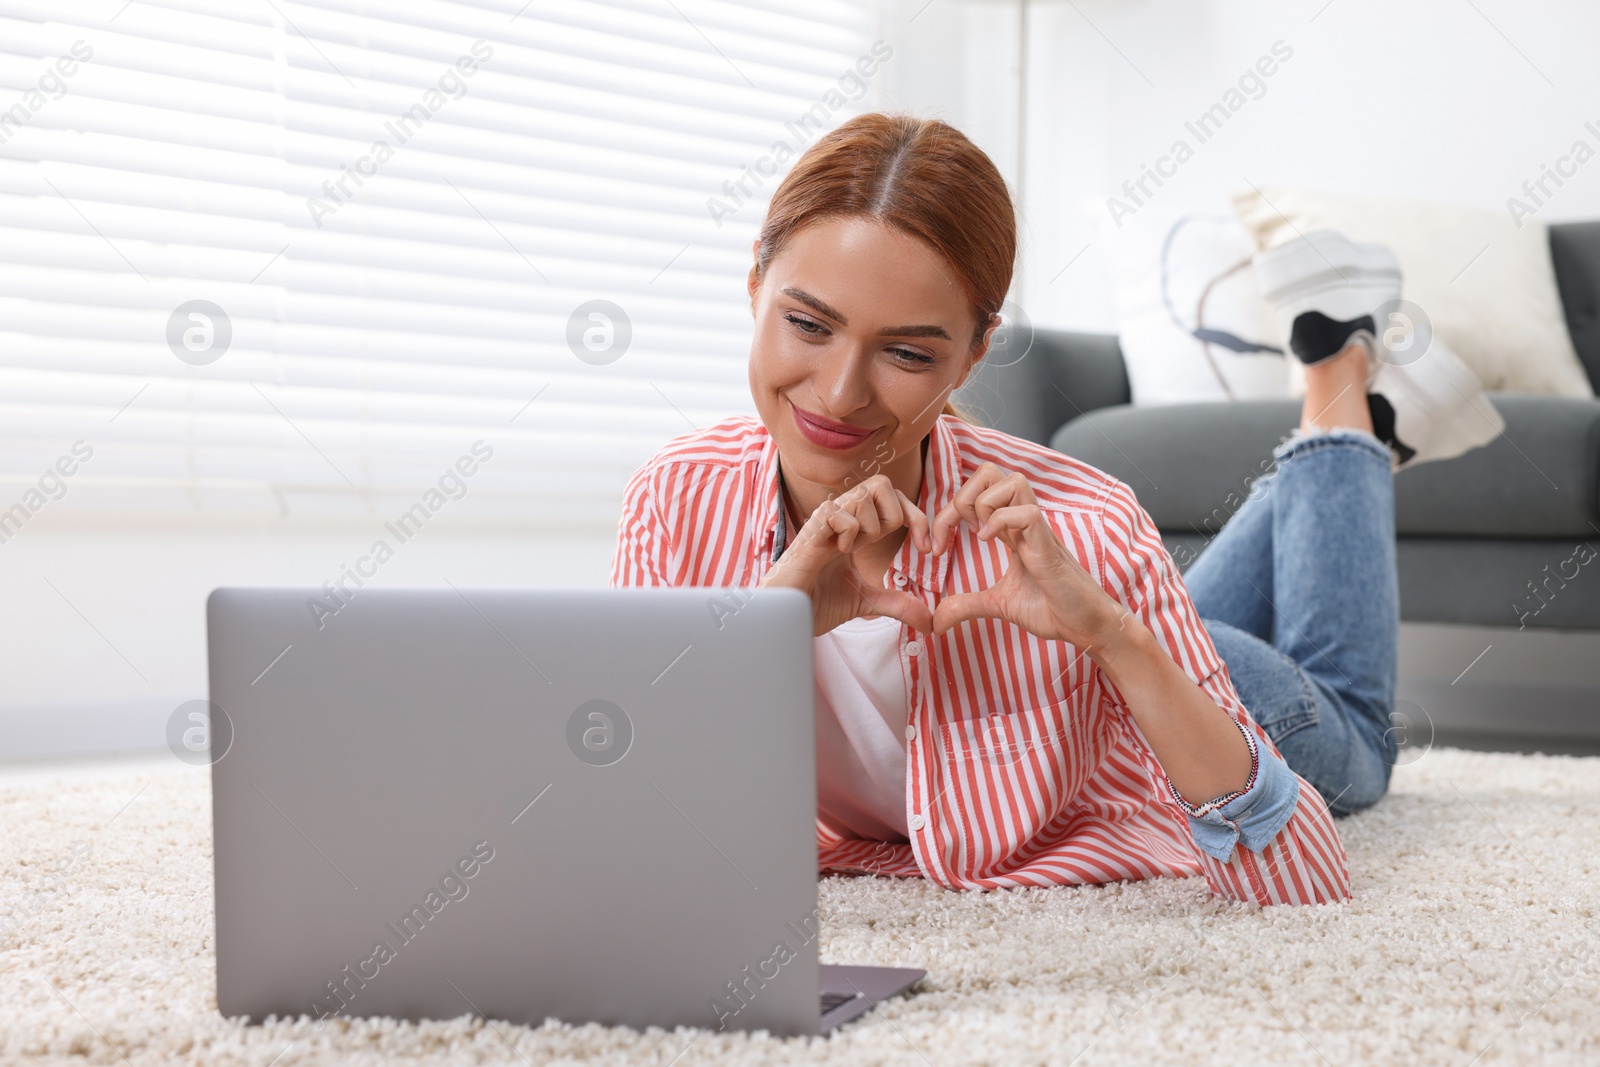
1383,425
1315,337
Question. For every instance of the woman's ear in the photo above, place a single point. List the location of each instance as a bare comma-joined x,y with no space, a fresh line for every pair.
753,282
995,322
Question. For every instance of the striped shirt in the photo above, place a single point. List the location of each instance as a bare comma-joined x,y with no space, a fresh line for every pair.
1024,764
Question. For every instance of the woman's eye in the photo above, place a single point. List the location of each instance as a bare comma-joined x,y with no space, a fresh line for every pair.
812,329
804,324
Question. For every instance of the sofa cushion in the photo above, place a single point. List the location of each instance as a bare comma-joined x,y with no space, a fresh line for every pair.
1192,465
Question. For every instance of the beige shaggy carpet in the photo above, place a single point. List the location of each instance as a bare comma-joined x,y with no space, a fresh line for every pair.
1474,937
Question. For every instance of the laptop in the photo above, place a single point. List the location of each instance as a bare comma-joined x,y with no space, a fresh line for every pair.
593,805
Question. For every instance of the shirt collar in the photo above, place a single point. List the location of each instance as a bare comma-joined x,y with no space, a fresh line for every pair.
768,505
941,471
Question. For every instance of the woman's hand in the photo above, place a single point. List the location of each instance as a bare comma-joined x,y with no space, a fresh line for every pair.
823,563
1044,589
1046,592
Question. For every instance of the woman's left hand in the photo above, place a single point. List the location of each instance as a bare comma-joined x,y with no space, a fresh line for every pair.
1044,589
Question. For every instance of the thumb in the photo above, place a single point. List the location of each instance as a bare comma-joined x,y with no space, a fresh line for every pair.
954,610
901,605
804,557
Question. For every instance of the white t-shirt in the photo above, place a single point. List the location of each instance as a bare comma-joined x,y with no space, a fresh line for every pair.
861,723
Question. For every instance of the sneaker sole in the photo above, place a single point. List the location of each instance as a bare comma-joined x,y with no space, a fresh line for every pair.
1443,416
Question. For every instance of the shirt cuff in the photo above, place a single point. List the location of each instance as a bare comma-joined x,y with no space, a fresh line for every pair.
1254,814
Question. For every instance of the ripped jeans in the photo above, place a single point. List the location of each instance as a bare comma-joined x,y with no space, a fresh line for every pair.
1300,596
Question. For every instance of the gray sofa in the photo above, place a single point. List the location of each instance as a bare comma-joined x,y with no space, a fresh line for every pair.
1501,536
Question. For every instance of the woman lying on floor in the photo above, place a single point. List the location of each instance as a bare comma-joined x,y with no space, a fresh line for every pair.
1015,686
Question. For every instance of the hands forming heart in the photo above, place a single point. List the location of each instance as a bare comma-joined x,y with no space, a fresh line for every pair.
1044,590
824,561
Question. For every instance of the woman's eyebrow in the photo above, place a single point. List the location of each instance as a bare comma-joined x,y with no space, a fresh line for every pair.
822,308
815,304
914,331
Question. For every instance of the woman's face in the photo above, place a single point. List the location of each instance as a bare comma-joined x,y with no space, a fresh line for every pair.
859,324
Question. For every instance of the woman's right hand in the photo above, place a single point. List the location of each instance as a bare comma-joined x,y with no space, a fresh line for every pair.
823,562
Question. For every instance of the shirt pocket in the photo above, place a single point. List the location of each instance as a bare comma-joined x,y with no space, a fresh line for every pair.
1011,775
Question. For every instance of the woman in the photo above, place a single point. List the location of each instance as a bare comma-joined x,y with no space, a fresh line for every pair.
1014,685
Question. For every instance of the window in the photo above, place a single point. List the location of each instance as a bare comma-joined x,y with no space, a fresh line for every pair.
299,258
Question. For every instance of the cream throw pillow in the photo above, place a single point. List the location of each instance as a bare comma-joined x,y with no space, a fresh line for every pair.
1487,286
1175,275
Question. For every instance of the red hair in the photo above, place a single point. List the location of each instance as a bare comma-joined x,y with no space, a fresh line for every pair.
921,176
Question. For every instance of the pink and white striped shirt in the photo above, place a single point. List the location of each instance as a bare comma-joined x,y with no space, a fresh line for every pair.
1024,764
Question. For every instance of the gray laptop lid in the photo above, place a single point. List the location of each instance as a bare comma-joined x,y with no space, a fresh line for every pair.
587,804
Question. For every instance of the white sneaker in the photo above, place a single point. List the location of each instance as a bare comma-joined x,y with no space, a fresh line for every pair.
1326,291
1433,407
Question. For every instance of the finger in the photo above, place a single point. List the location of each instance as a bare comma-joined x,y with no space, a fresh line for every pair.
903,606
960,505
1012,489
845,527
895,603
815,541
894,508
917,521
957,609
1019,520
805,556
863,503
990,487
886,499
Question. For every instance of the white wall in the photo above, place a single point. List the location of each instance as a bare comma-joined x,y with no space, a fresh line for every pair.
104,630
1434,99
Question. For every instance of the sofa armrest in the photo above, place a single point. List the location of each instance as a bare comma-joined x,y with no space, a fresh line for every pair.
1575,253
1052,381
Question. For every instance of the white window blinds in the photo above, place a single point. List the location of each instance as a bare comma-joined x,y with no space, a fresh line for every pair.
300,258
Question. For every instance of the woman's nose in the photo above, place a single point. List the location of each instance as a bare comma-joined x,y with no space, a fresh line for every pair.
842,384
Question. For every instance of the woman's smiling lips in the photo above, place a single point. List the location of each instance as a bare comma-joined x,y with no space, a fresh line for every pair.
826,432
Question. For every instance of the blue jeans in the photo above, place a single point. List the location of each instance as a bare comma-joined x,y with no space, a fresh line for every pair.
1299,594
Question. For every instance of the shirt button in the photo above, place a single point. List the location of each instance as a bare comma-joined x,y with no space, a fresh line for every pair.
913,648
911,731
917,822
900,579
